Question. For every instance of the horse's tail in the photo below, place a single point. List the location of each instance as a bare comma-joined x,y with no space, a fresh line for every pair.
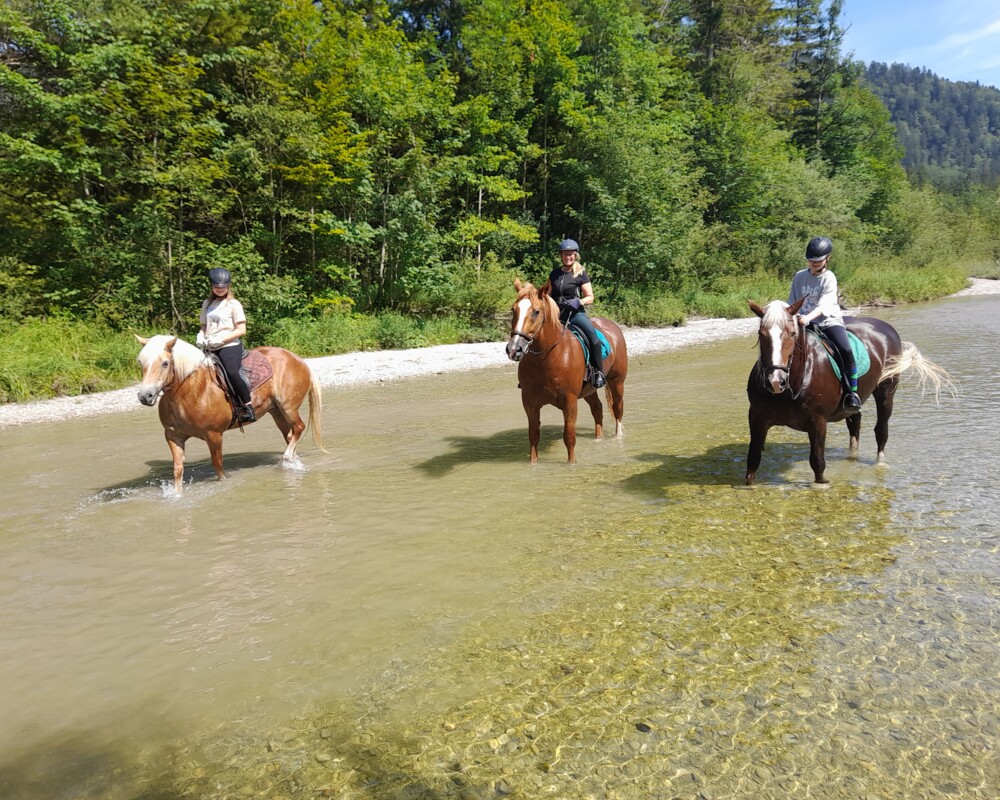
927,371
316,411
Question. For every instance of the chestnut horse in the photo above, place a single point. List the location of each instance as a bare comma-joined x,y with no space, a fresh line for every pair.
793,383
551,366
193,404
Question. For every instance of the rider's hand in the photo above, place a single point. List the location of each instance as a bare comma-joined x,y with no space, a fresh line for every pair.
801,320
214,342
574,303
200,339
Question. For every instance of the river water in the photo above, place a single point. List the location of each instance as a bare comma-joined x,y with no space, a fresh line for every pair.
420,613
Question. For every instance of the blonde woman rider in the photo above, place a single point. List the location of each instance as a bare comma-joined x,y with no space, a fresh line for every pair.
572,290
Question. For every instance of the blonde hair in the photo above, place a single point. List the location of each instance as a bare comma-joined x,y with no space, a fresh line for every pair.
577,263
213,296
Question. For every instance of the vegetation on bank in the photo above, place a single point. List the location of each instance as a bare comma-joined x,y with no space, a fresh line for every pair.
58,356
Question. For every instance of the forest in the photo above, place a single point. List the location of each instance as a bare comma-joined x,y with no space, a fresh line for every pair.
949,130
375,172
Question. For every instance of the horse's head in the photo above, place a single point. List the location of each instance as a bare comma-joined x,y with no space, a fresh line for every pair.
532,308
165,360
776,338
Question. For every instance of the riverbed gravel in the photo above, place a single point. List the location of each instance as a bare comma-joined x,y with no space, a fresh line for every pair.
382,366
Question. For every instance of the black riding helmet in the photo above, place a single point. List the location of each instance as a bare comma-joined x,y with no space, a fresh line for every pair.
568,244
818,248
220,277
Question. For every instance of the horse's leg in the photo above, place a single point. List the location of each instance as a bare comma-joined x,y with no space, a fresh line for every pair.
884,395
854,429
176,445
817,448
758,435
597,409
534,413
569,426
214,440
291,426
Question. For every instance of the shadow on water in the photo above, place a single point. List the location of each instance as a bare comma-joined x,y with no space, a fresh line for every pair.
724,465
502,447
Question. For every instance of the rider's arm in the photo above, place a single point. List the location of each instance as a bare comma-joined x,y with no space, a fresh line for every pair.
587,294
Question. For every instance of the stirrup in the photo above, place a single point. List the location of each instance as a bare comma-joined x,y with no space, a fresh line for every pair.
597,379
246,413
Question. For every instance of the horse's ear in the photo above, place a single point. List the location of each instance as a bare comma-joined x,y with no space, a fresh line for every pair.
544,291
793,309
756,309
140,340
517,284
170,344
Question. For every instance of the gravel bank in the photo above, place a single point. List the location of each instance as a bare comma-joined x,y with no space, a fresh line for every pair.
386,365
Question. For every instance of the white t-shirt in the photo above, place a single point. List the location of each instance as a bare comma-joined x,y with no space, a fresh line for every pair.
222,317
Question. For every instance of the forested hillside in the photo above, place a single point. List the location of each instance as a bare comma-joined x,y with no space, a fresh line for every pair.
410,154
950,131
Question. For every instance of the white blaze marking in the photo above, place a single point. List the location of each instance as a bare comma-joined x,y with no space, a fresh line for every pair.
523,307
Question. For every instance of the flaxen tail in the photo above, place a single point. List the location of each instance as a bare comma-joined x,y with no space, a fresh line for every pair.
927,371
316,411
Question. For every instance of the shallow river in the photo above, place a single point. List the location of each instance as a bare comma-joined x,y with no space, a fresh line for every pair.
420,613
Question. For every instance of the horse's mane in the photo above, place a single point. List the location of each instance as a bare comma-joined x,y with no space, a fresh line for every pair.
187,357
775,314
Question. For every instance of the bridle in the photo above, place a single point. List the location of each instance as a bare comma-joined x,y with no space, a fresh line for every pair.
530,338
798,349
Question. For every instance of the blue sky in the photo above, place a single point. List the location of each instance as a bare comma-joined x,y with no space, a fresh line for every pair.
955,40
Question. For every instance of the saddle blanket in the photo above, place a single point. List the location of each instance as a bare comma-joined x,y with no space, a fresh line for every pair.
861,357
581,337
256,369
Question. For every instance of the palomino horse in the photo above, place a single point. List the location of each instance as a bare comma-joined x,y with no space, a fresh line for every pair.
793,383
193,404
551,366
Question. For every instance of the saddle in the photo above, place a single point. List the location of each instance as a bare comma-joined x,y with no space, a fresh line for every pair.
255,370
581,337
861,358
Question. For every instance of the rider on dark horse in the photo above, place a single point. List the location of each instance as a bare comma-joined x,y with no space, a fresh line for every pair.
818,285
572,290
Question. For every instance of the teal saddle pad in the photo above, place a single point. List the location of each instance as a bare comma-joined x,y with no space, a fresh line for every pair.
585,344
861,357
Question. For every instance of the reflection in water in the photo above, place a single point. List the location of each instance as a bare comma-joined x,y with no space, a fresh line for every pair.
422,614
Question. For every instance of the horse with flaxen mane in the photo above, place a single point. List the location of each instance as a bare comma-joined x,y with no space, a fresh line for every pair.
192,403
552,366
793,383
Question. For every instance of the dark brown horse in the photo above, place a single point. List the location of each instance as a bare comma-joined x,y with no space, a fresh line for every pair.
793,383
551,366
193,404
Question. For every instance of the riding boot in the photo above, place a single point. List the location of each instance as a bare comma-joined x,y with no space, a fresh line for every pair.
246,413
597,369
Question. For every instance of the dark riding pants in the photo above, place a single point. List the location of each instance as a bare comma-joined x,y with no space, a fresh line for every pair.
584,323
231,358
838,335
